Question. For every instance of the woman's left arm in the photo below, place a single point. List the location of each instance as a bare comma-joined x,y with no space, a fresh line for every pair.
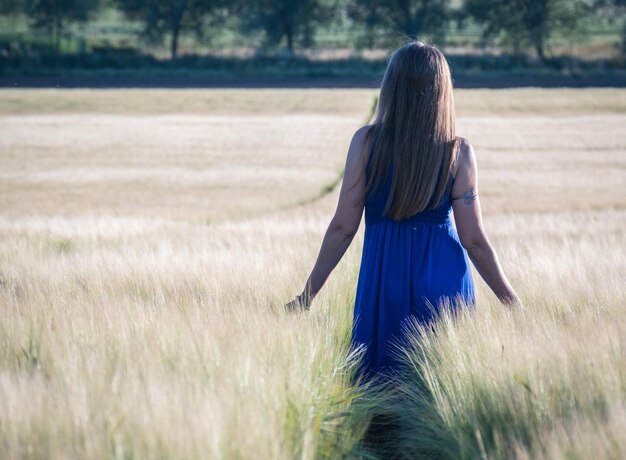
344,224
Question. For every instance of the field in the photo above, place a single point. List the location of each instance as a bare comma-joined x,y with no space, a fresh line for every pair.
149,238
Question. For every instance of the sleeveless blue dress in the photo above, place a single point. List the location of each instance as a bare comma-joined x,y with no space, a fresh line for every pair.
407,268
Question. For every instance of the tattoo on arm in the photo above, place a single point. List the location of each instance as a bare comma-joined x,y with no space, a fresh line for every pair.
467,197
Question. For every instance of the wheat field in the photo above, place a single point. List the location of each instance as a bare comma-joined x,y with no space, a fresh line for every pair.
149,238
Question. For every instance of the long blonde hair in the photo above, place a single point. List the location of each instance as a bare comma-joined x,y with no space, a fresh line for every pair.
414,128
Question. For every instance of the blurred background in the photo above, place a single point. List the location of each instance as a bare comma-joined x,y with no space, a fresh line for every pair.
488,42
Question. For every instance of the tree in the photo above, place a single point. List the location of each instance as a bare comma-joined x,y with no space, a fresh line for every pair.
173,17
293,20
526,22
10,7
412,18
54,15
615,9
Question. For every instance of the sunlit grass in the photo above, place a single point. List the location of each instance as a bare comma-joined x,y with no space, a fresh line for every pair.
144,259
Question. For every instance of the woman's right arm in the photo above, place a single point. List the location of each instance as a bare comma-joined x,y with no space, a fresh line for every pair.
468,219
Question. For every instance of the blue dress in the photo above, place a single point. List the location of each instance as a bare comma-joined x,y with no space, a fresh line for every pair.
407,267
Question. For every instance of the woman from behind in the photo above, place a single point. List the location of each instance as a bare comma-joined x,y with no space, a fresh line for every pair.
410,173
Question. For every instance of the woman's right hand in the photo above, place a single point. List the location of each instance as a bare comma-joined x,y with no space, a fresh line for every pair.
515,303
298,304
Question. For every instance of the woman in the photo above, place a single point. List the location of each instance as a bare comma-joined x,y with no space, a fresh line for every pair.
410,172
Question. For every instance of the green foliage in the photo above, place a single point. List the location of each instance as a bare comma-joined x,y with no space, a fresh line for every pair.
528,22
10,7
209,25
293,20
615,8
54,15
403,18
169,17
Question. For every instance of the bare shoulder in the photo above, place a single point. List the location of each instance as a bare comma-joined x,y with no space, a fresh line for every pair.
465,176
465,150
362,134
360,141
466,158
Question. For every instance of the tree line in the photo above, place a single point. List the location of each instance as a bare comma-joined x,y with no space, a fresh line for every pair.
522,25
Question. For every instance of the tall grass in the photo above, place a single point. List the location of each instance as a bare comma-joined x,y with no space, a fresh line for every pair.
149,347
140,296
548,381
